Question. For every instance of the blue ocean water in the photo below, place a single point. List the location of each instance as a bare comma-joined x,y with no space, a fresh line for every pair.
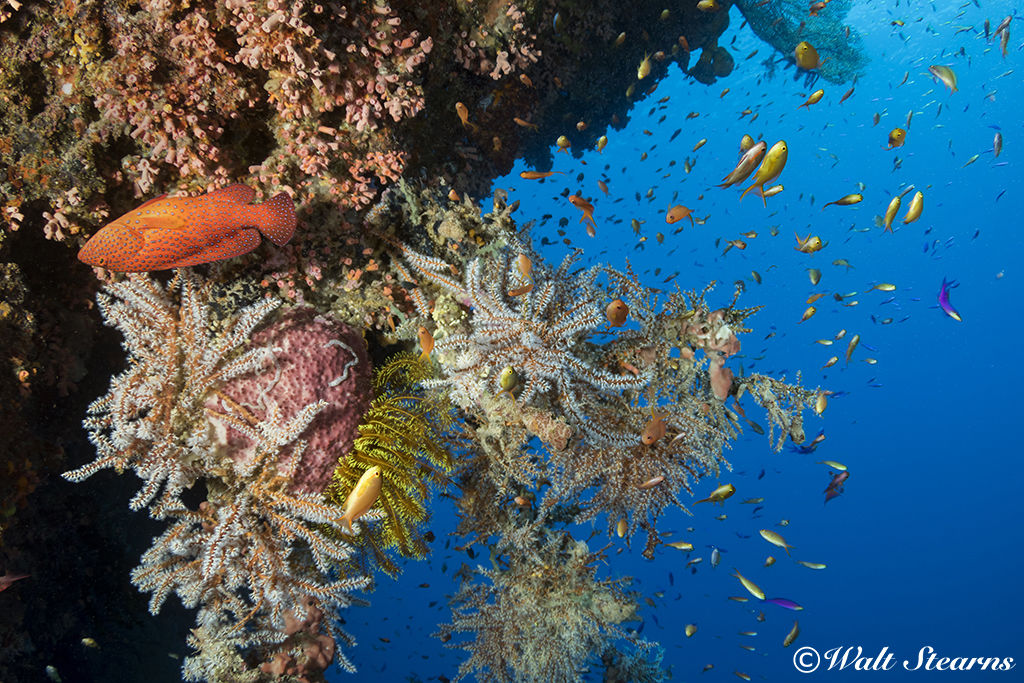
924,547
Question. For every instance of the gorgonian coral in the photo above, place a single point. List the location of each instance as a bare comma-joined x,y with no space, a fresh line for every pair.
540,619
535,329
262,547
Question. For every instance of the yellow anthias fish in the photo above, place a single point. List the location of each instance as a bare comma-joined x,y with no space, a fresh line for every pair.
463,113
944,74
426,342
771,191
896,137
645,67
809,244
806,56
775,539
719,495
854,340
849,199
690,629
792,635
362,497
681,545
752,587
770,168
813,99
890,213
833,464
916,207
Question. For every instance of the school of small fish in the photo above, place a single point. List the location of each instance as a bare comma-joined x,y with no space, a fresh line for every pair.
691,201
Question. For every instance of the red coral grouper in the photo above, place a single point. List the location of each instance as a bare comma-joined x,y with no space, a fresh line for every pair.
173,232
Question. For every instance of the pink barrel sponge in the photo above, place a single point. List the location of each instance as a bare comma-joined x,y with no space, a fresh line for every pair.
315,358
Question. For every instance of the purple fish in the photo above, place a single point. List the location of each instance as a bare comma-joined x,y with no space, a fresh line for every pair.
783,602
944,304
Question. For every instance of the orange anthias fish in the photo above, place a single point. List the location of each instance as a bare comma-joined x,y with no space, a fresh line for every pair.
678,213
173,232
588,213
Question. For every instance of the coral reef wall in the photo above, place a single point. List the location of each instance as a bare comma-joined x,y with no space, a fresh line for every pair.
241,386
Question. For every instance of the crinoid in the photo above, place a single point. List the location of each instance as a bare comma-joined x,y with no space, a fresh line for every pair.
402,433
533,329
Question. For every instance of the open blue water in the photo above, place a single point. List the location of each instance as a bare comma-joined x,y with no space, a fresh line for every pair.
924,547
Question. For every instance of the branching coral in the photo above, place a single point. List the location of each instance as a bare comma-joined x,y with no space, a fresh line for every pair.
539,333
636,483
540,619
253,551
152,420
262,545
525,350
